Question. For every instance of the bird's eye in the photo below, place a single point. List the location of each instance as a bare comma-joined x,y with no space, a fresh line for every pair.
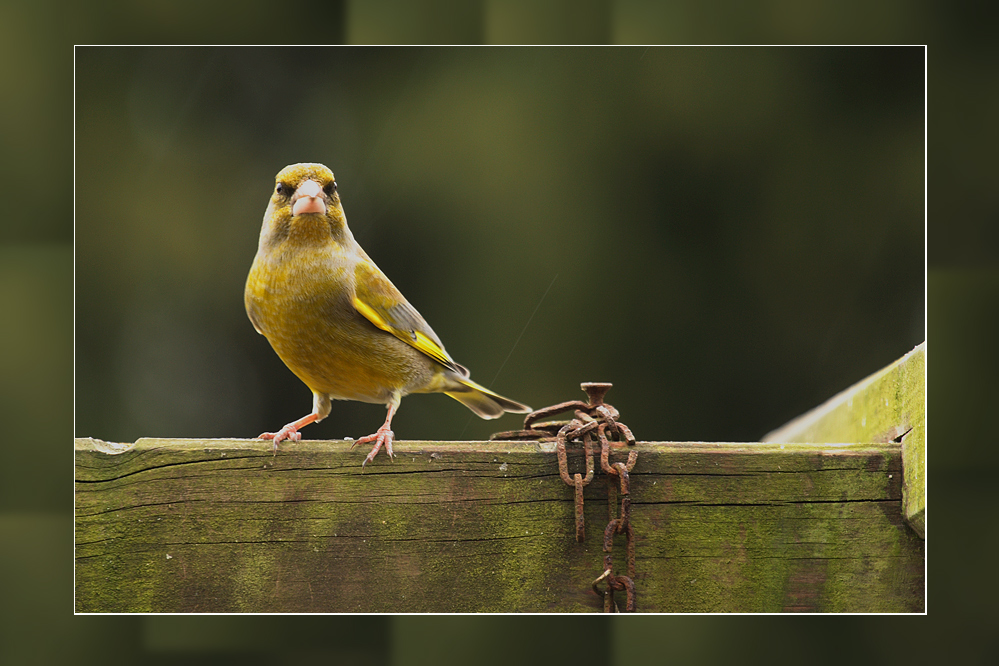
330,188
283,189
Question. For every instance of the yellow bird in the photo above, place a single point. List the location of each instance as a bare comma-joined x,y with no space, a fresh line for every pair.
336,321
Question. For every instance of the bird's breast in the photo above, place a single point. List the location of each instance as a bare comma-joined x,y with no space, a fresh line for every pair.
302,304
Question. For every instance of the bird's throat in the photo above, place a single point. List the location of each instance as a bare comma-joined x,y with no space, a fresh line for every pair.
315,229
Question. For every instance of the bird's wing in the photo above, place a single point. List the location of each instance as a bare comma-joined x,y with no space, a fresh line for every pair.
383,305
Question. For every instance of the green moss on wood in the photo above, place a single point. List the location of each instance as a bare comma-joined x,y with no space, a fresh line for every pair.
223,525
890,405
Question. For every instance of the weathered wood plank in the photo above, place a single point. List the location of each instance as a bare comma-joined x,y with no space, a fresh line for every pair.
889,405
224,525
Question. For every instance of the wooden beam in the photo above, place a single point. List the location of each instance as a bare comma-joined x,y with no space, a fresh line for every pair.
888,406
225,525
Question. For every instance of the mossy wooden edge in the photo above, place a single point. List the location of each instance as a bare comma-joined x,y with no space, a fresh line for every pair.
889,405
227,526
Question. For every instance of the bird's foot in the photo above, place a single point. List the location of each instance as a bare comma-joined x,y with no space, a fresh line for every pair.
289,432
383,437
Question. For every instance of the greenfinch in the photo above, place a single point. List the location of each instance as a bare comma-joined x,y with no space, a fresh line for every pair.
336,321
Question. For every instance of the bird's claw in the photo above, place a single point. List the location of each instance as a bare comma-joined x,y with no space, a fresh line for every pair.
383,437
288,432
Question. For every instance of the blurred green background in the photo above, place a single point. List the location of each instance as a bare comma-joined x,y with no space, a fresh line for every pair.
730,235
37,281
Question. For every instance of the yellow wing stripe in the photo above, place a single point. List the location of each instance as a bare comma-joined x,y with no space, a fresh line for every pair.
430,348
372,316
416,339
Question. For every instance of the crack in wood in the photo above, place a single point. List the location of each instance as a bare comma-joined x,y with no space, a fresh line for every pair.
463,535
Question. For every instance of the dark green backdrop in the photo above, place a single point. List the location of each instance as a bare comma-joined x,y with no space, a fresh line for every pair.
730,235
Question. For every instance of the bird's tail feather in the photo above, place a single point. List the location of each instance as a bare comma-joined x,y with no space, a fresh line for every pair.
484,402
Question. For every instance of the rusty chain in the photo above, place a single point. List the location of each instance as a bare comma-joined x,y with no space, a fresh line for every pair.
601,418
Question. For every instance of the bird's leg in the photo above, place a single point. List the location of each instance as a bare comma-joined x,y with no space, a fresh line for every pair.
290,431
383,437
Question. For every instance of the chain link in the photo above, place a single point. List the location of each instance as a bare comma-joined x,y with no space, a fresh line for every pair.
602,418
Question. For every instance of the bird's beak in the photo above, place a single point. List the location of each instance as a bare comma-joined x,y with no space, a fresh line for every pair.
308,198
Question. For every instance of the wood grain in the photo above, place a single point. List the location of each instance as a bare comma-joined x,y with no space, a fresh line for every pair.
225,526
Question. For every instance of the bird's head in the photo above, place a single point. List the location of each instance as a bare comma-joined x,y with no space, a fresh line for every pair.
305,201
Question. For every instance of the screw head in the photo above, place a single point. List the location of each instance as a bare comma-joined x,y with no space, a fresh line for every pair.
596,391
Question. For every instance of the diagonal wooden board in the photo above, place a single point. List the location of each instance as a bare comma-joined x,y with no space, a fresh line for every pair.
889,405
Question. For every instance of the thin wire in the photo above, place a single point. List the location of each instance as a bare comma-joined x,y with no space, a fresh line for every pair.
536,307
503,365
